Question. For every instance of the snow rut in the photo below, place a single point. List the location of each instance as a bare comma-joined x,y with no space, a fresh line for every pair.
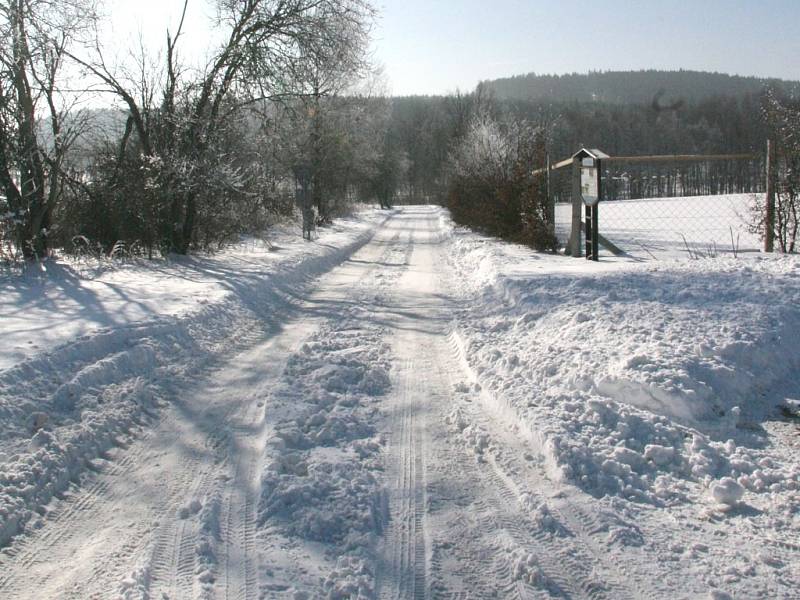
172,562
572,563
146,508
76,390
142,522
482,538
173,559
239,575
469,550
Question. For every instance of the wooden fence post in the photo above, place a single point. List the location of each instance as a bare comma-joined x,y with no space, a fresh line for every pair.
769,218
577,209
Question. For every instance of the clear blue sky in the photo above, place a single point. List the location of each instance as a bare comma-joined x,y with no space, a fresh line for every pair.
436,46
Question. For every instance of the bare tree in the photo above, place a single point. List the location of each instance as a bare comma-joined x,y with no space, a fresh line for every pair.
491,184
784,119
323,73
270,48
782,116
36,35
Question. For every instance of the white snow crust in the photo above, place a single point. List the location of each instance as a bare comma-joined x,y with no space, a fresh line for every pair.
401,408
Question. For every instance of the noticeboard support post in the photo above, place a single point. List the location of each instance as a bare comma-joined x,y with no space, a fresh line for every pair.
574,244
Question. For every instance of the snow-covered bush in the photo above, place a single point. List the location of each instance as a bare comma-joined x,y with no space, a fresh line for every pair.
492,188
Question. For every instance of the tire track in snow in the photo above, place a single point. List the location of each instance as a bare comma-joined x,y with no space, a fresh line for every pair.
405,540
407,499
170,545
505,529
172,556
488,539
423,467
233,567
402,572
170,550
565,564
236,571
479,550
102,501
30,550
476,557
343,306
174,560
239,519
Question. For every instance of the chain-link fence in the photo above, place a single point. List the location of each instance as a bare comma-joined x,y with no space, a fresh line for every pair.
560,186
653,207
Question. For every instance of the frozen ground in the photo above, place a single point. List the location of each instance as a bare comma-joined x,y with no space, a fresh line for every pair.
402,410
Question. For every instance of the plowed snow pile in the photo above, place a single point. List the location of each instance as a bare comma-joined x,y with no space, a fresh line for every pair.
665,388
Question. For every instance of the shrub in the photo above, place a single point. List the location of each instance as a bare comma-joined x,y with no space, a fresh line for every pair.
492,187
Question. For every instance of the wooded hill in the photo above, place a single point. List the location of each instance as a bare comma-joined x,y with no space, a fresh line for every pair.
632,87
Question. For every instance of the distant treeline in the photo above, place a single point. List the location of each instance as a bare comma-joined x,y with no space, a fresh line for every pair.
632,87
624,181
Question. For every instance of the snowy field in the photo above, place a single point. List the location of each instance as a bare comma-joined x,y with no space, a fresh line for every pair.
401,409
661,228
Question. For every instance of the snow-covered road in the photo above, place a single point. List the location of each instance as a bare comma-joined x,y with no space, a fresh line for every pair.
465,523
349,438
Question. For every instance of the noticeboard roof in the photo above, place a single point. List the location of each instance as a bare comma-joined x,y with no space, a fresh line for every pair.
590,153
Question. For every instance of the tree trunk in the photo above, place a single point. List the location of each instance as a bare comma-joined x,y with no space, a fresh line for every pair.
32,180
187,230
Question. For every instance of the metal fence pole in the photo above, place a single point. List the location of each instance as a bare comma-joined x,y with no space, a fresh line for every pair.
595,214
588,216
769,218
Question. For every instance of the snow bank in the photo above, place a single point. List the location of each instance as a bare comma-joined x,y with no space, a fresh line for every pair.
54,456
634,379
63,409
667,390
